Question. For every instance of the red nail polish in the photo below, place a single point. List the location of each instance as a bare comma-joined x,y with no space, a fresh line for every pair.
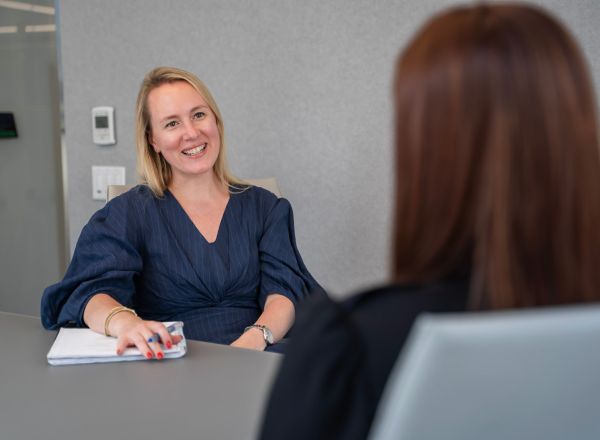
169,344
149,355
119,351
159,355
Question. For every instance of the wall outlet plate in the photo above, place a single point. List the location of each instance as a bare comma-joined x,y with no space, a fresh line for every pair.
104,176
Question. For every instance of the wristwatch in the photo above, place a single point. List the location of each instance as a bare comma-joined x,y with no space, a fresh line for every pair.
266,333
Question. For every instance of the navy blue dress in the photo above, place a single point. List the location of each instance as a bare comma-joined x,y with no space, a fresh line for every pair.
146,252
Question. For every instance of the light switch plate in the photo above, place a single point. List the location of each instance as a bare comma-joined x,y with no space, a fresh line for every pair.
104,176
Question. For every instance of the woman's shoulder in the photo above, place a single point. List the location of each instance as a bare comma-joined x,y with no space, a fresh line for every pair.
445,295
261,199
347,349
438,296
253,192
384,310
380,320
321,310
124,211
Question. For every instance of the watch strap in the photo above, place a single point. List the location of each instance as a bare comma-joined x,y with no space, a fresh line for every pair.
267,334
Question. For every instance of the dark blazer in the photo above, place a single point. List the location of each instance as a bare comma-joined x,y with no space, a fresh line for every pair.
340,356
146,252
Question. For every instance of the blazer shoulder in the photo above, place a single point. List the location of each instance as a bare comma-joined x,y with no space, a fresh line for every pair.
356,301
258,193
442,295
263,200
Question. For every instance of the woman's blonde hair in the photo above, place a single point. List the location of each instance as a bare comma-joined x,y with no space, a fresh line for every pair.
152,168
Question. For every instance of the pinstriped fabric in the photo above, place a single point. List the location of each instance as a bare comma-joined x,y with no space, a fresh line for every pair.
147,253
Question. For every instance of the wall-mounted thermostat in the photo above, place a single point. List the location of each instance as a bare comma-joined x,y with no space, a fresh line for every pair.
103,123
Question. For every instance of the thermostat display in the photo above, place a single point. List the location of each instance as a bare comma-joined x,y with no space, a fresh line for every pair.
103,121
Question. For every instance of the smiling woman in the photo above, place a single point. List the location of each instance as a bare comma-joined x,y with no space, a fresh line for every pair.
184,129
172,88
191,243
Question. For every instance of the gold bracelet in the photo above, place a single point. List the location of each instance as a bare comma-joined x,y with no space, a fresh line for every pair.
112,313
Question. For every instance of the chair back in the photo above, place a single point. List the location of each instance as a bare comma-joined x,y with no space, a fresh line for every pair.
269,183
113,191
500,375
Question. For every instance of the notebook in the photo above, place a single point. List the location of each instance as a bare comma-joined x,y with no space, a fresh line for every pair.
85,346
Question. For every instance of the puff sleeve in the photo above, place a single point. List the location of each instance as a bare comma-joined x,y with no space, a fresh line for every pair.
106,260
281,267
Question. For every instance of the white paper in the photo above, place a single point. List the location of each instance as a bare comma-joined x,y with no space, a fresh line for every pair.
85,346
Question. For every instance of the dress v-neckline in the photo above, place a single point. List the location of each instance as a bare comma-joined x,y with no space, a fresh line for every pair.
196,227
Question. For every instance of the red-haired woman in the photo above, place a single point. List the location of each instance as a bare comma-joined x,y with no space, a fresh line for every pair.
497,206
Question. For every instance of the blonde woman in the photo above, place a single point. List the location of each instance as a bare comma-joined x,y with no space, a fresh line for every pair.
191,243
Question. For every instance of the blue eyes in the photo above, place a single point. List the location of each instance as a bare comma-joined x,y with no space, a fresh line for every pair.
197,115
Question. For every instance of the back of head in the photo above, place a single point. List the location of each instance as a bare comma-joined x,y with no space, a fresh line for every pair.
498,161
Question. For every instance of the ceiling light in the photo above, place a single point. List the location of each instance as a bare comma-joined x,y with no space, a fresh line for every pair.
27,7
41,28
8,29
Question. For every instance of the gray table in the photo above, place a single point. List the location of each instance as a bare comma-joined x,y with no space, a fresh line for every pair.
214,392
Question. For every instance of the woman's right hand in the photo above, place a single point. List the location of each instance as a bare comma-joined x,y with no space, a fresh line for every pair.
133,331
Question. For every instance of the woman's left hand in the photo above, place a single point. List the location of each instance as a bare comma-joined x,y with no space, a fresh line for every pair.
278,316
253,339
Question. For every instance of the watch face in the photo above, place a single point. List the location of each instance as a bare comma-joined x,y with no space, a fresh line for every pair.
268,336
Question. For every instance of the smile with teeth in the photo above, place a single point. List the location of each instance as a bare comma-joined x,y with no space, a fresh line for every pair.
194,151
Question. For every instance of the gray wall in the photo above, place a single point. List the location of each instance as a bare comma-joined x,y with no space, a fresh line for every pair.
304,92
32,237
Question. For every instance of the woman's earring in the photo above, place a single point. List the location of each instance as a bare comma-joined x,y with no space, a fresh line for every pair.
156,149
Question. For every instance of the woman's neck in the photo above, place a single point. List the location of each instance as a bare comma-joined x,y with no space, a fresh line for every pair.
200,188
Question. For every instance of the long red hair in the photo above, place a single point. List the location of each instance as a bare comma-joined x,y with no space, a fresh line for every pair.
498,159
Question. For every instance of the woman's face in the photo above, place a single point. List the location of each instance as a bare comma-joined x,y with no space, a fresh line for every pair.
183,129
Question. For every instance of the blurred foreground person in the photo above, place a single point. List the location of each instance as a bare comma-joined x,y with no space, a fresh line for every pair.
497,206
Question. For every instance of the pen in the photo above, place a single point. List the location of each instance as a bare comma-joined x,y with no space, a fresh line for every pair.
170,329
